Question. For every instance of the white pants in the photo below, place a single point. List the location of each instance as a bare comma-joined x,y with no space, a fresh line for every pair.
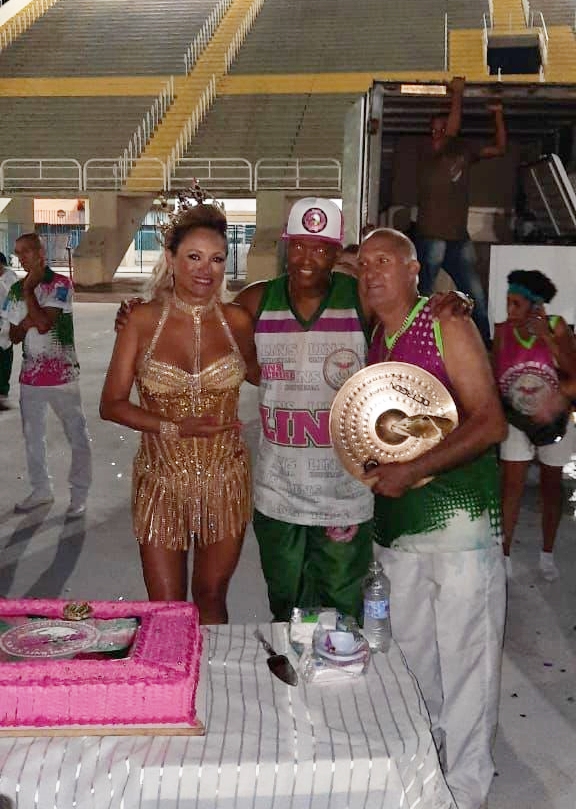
66,403
518,447
447,615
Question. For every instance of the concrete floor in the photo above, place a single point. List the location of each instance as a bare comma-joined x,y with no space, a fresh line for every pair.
95,557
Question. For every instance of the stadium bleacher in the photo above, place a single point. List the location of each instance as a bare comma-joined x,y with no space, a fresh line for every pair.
288,126
555,12
78,128
116,37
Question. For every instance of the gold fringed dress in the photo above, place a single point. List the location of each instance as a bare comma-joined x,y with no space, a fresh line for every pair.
191,488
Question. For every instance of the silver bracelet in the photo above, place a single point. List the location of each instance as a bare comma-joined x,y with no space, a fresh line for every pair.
169,429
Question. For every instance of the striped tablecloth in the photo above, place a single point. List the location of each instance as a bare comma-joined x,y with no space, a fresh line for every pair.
358,744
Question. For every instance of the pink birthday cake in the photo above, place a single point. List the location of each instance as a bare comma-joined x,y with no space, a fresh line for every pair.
99,663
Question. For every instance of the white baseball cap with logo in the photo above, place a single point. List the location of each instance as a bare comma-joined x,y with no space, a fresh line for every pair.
317,218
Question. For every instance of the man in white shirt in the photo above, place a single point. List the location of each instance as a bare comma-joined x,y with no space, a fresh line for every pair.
39,309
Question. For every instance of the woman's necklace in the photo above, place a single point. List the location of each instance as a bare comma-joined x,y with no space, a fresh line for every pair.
388,343
194,309
197,311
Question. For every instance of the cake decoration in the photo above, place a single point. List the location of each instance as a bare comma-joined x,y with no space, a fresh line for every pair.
77,611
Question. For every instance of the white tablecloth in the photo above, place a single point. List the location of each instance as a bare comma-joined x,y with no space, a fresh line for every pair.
364,743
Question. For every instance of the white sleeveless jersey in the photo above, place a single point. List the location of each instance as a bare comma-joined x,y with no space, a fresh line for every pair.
298,477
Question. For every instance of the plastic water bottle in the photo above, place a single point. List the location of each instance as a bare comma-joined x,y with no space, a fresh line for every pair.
376,591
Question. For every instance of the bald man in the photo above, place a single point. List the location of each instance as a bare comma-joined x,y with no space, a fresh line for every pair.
437,525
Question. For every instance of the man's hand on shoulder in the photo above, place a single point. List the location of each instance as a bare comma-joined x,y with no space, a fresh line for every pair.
125,310
453,304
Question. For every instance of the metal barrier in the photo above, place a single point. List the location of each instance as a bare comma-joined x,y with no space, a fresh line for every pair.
298,173
526,10
486,26
192,124
218,173
50,174
146,127
242,33
101,174
204,35
221,174
540,23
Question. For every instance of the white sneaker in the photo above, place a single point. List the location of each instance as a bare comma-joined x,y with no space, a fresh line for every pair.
33,501
508,567
75,510
548,567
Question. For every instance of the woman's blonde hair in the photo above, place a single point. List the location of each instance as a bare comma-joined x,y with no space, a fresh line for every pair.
181,224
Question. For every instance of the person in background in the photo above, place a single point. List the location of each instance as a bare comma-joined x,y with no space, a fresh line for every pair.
188,354
437,521
441,231
347,261
7,278
39,309
534,358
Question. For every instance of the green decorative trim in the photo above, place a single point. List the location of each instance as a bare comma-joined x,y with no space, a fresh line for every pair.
390,340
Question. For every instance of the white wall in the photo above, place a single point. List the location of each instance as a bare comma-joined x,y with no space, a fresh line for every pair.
9,10
557,262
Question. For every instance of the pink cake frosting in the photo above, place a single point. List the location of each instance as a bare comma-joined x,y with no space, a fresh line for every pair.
155,684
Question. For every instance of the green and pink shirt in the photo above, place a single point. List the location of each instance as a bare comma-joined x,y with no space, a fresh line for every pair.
47,359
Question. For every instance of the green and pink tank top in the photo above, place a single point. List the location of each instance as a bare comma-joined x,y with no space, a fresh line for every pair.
525,369
298,478
458,510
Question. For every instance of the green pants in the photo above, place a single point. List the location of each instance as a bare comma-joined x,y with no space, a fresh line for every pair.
5,370
303,568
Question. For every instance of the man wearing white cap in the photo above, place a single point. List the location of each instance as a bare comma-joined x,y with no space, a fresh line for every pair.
312,519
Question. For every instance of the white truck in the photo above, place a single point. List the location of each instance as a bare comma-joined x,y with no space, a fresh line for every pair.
522,205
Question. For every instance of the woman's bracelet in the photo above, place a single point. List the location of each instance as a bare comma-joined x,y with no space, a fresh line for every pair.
169,429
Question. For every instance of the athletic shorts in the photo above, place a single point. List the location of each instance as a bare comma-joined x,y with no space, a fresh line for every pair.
518,447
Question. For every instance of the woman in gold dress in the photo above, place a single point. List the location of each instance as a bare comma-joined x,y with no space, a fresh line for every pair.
188,354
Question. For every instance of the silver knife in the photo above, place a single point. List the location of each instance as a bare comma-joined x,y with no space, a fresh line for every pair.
279,665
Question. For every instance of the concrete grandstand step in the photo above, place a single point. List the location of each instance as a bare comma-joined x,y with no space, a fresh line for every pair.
561,65
79,128
466,15
285,37
104,38
467,54
555,12
508,14
283,122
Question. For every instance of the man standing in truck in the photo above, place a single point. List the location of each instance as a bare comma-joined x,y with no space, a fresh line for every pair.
441,235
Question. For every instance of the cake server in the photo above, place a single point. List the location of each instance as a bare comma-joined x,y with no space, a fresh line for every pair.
279,665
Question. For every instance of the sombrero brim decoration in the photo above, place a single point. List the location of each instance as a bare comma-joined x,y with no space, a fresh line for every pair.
392,411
